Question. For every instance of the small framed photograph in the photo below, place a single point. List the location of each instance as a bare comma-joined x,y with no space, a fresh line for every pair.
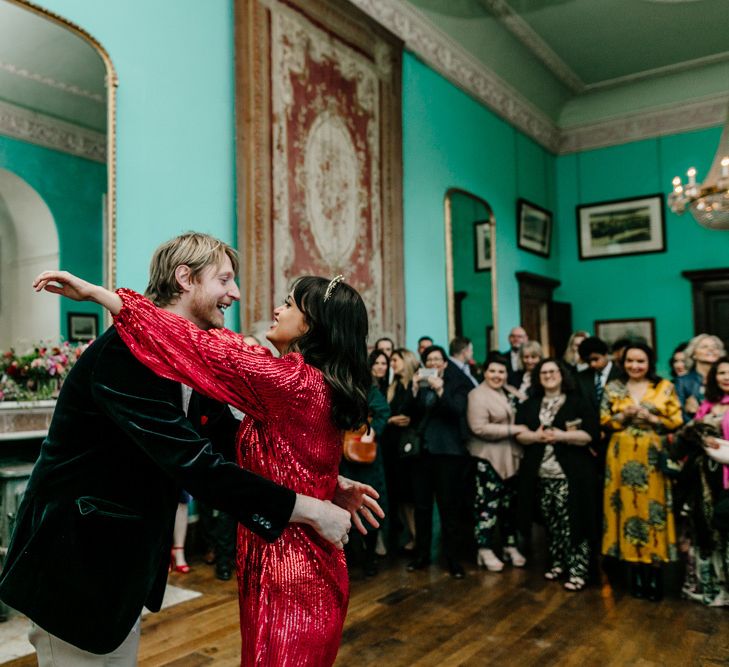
621,227
639,328
82,327
482,245
534,228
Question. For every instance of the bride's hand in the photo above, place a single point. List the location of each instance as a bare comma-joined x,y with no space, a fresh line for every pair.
73,287
67,285
358,498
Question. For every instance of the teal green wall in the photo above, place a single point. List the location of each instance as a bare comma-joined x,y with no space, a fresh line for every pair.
452,141
476,307
72,188
642,285
175,124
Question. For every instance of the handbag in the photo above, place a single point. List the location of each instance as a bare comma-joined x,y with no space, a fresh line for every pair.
356,451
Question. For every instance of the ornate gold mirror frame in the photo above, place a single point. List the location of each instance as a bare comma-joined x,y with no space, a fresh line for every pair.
450,293
109,252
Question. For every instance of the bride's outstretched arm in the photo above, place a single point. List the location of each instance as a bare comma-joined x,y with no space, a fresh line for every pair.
73,287
216,363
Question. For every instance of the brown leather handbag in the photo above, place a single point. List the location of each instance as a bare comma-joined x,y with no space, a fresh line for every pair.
356,451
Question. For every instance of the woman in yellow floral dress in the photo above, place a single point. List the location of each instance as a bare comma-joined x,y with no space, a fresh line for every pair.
639,408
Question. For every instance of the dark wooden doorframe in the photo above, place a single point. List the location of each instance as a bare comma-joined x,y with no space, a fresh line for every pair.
535,299
710,292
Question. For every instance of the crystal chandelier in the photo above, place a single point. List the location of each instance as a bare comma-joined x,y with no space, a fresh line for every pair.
709,201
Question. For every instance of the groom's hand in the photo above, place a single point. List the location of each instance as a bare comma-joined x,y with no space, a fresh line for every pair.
331,522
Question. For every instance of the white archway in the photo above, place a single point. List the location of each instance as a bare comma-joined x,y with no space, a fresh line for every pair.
28,244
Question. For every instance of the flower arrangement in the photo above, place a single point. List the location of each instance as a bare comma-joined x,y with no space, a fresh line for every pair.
37,374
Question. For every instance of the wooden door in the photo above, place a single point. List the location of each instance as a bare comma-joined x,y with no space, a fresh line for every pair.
535,299
711,301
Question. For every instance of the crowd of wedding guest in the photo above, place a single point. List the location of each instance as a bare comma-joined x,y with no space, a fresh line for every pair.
623,469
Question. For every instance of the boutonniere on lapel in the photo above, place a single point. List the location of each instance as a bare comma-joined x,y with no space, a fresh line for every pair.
204,420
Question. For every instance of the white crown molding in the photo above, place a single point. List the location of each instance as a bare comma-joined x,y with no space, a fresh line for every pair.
49,132
533,41
709,112
451,60
69,88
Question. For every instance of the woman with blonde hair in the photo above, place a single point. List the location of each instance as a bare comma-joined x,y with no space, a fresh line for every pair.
700,354
530,354
398,482
571,355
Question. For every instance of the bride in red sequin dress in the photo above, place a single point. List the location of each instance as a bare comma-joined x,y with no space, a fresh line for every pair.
294,591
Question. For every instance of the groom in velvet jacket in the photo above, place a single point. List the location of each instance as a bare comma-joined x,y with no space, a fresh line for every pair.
93,534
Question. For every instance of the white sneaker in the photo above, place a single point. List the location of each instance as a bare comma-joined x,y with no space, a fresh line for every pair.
512,554
489,560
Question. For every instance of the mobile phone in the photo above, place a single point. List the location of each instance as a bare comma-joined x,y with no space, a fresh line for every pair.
424,374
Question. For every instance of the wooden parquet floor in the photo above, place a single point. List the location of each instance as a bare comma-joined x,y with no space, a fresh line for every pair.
426,619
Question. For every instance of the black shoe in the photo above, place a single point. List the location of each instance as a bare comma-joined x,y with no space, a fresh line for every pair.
417,564
637,581
370,569
654,584
456,569
223,571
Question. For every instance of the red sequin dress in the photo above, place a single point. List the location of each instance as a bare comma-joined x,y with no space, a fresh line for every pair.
294,591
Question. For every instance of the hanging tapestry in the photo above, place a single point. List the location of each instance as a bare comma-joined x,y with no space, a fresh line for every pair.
319,155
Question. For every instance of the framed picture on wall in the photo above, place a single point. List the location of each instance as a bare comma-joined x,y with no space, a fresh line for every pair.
621,227
637,328
482,245
82,327
534,228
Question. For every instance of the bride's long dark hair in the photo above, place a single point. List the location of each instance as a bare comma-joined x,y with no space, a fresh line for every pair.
336,344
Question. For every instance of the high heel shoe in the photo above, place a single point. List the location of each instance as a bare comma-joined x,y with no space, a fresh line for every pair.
514,555
174,567
488,559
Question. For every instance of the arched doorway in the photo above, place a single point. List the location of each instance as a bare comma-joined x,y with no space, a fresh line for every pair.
28,245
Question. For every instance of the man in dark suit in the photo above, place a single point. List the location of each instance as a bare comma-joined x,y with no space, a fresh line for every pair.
517,338
600,371
440,469
591,384
220,425
93,534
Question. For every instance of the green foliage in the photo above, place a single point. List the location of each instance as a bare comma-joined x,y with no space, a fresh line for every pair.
635,531
635,475
616,502
656,515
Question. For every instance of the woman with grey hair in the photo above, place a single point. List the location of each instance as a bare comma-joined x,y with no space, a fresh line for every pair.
701,352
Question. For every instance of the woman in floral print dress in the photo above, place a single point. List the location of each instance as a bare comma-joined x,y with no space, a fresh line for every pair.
638,527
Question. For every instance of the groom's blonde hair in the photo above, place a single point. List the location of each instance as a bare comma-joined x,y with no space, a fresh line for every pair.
192,249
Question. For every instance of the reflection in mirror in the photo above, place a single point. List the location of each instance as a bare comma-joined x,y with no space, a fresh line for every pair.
53,171
471,269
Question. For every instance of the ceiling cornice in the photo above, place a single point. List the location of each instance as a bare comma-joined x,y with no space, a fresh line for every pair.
532,41
709,112
49,132
72,89
451,60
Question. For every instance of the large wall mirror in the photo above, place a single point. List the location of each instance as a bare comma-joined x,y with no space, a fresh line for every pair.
471,270
56,171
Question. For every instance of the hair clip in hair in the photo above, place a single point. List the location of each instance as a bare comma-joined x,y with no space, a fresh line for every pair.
332,285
